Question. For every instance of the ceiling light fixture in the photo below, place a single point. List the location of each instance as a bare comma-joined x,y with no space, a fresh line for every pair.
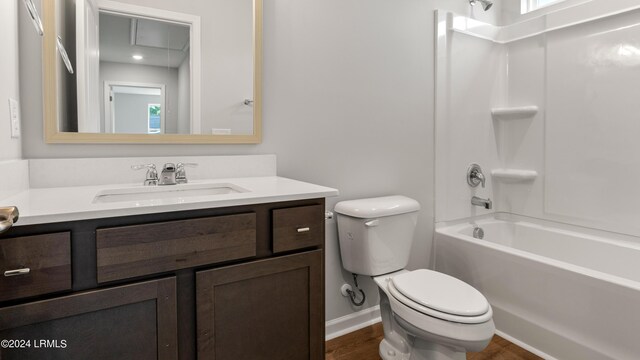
137,57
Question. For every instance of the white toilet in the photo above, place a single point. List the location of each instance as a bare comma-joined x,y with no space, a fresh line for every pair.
425,314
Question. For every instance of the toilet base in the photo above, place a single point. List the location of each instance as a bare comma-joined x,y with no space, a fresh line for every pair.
421,350
389,352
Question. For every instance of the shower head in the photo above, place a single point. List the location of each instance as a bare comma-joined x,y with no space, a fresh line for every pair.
486,4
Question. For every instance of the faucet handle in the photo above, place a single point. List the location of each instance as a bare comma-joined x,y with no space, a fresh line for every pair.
143,166
180,165
152,173
181,174
475,176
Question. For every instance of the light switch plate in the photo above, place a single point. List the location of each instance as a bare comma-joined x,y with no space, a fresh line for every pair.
14,117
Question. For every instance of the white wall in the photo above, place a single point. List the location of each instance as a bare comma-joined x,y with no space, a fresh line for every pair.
131,112
348,103
9,148
15,173
227,66
110,71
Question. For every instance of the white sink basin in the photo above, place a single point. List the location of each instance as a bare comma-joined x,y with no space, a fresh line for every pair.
173,192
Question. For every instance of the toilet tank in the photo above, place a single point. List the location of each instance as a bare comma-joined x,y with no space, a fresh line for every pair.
376,234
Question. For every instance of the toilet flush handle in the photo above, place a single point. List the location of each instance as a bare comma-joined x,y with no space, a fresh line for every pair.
372,223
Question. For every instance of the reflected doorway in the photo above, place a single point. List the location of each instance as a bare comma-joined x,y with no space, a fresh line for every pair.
133,108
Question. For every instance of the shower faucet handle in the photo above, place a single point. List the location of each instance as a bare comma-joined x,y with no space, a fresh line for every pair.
475,176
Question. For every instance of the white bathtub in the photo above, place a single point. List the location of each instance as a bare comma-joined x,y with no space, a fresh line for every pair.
564,292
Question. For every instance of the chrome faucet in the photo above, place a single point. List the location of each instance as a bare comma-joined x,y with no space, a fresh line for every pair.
181,174
485,203
168,174
475,176
152,173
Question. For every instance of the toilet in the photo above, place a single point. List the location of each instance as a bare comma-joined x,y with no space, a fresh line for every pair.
426,315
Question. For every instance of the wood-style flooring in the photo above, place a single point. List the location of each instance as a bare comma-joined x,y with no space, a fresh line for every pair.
363,345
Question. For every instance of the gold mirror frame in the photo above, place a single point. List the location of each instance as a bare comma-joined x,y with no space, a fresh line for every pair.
54,136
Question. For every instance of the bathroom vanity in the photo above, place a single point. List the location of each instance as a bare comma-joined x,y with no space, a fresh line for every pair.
212,280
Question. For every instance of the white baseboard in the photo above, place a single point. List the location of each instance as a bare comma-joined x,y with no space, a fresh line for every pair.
367,317
352,322
525,346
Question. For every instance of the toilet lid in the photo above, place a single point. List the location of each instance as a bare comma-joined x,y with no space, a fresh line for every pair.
441,292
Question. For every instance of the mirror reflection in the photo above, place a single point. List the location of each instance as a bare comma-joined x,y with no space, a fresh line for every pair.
144,66
138,69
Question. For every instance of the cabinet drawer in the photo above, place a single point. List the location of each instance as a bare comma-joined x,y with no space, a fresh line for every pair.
35,265
129,251
298,228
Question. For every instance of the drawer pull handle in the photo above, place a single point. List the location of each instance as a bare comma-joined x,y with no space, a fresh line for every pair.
17,272
304,229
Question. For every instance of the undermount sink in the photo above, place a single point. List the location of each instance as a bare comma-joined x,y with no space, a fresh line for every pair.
166,192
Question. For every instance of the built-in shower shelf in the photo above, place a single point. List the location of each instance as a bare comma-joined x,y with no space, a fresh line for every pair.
514,175
516,112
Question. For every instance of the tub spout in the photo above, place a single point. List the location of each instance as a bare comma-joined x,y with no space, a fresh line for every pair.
485,203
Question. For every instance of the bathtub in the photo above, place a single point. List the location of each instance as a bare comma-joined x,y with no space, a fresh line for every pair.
559,291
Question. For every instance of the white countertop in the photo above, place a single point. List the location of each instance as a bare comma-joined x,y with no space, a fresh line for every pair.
58,204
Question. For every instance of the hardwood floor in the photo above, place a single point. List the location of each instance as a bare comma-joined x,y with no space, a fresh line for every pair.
358,345
363,345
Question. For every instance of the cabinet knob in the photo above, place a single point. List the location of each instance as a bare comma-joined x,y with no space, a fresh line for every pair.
304,229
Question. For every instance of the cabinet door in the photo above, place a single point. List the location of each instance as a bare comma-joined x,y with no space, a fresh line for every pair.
136,322
267,309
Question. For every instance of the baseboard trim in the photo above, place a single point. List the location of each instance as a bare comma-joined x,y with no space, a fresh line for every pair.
524,345
352,322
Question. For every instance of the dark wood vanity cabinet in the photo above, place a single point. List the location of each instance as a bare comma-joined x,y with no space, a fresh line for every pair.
267,309
136,322
243,282
128,251
46,260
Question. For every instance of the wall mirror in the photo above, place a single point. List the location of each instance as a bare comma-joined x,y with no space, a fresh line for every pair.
170,71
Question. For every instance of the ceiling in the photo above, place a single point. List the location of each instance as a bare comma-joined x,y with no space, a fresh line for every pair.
159,43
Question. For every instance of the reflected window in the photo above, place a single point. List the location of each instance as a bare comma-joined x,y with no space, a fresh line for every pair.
530,5
153,119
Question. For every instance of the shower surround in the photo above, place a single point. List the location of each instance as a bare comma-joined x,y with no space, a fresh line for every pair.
548,107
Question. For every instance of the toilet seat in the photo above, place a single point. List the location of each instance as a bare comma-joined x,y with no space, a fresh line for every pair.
441,296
